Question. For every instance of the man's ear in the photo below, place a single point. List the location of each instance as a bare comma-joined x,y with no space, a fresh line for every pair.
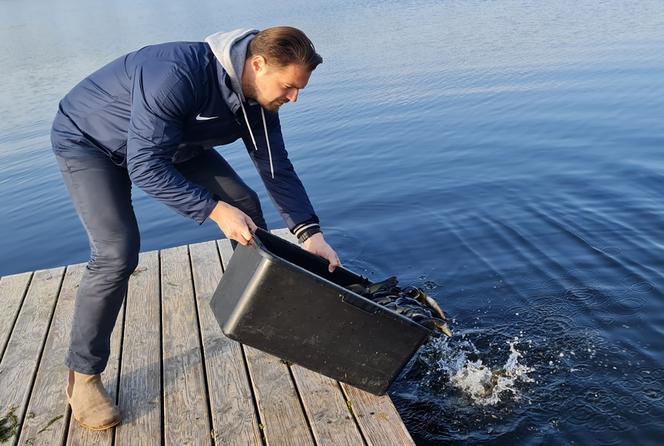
258,63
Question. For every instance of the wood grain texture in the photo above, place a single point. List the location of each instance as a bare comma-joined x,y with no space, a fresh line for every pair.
278,402
139,395
25,345
296,406
186,419
12,291
284,421
46,416
234,418
378,418
331,421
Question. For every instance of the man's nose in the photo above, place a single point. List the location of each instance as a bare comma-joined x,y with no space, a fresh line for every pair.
292,96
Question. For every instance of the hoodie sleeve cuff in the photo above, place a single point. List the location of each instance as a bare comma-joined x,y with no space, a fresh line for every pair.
207,210
305,230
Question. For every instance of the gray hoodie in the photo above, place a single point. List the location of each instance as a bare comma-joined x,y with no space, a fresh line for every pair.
230,49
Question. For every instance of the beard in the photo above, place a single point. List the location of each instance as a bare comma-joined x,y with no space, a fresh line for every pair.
271,106
274,105
250,92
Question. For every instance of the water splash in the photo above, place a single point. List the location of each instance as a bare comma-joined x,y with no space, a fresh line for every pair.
526,374
486,386
482,383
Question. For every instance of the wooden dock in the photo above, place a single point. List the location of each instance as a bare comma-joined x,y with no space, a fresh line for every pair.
177,379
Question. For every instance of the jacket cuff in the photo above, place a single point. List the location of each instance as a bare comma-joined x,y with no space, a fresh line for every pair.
205,213
306,230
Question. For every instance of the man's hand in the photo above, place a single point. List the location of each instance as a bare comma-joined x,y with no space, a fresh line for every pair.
234,223
316,244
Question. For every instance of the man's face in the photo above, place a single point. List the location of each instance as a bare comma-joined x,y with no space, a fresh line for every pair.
274,86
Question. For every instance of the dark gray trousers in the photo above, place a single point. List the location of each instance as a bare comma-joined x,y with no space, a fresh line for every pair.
101,193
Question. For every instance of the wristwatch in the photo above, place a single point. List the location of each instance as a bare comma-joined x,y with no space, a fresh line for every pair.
305,233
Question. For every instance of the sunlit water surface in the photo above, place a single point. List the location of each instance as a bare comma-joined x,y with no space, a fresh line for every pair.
506,156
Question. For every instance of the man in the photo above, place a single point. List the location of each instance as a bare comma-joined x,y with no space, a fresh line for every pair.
150,118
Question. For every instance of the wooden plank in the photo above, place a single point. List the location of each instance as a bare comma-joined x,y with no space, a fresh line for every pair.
234,418
225,251
277,399
81,436
12,291
325,404
378,418
276,396
19,363
46,416
186,419
139,395
331,421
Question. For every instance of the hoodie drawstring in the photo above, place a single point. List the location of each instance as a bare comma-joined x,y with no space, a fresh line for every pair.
253,140
267,138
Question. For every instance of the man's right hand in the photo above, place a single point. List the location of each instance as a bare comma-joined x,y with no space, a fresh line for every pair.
234,223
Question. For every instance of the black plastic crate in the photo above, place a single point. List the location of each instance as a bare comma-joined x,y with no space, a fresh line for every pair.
281,299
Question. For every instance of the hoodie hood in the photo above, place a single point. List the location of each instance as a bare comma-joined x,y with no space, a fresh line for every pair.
230,49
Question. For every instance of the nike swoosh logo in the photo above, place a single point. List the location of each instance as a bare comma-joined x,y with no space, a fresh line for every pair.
205,118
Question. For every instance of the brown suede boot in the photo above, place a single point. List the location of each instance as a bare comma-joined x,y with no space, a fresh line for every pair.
90,404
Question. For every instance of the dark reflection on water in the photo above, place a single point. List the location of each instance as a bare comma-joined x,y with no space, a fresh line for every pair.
507,156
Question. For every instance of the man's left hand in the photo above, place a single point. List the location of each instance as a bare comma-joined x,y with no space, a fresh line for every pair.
316,244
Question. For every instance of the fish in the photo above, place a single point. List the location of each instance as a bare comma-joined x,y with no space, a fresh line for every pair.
390,282
411,302
427,300
435,324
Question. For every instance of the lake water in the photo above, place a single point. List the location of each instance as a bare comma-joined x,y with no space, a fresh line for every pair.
507,156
